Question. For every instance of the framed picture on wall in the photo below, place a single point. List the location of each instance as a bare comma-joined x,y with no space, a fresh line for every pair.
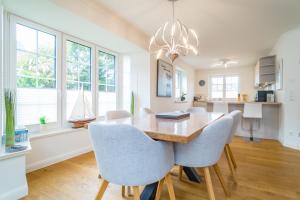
164,79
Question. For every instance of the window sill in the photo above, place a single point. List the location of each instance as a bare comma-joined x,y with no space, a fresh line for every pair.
43,134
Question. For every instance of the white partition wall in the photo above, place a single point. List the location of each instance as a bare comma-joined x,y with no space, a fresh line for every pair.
1,71
287,52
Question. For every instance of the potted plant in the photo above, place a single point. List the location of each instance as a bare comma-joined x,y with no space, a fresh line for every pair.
42,123
9,99
182,97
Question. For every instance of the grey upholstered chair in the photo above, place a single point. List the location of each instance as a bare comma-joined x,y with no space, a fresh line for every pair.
205,151
127,156
236,116
117,114
145,111
196,110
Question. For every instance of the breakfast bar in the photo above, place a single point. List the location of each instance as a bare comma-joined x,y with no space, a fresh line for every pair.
269,125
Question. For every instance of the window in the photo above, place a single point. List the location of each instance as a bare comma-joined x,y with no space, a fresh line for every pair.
49,73
180,83
35,75
78,73
232,87
106,82
224,87
217,86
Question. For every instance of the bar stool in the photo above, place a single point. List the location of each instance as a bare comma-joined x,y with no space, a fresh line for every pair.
252,112
220,107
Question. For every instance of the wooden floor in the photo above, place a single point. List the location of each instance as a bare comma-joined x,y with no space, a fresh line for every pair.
266,170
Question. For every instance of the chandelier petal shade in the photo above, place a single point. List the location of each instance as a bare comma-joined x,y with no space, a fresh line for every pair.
174,39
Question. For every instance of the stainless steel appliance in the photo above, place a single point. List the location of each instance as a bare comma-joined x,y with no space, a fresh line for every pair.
262,95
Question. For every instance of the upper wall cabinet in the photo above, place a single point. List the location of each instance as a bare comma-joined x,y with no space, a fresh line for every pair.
265,71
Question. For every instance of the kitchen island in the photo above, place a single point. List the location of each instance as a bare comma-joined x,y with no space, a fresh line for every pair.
269,125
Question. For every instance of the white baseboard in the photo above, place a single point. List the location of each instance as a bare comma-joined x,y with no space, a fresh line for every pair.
56,159
256,136
15,193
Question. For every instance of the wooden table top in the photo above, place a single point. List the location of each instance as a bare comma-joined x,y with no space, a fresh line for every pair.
181,131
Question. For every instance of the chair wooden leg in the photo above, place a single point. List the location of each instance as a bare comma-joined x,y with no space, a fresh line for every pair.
230,164
129,189
209,186
102,190
219,174
231,156
180,172
169,183
136,192
123,191
159,189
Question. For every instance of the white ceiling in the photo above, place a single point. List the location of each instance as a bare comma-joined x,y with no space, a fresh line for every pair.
236,29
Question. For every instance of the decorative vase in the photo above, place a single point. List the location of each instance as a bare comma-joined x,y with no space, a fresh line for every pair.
10,118
132,103
43,127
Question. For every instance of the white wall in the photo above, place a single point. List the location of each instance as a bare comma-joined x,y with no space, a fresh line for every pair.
246,79
1,70
56,147
164,104
288,50
140,79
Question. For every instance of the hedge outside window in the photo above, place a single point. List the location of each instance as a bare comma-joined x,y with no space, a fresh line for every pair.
106,82
78,72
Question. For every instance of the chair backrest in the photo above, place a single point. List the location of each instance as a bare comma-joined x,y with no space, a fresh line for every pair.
145,111
196,110
220,107
236,116
252,110
117,114
127,156
207,148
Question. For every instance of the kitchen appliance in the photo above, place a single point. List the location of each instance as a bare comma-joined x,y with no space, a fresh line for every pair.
262,95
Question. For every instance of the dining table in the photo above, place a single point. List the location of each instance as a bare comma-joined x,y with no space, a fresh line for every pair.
170,130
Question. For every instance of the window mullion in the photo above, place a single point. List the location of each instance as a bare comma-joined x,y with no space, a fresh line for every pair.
224,87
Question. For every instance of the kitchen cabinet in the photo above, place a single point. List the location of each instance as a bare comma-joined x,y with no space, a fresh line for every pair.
265,71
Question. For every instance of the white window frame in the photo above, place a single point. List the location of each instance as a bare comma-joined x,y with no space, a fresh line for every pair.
11,71
224,85
183,73
117,78
67,37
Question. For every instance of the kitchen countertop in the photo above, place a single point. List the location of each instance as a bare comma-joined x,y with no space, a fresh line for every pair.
242,102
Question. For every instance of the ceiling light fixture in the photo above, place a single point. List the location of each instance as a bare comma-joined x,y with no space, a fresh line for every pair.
174,39
225,62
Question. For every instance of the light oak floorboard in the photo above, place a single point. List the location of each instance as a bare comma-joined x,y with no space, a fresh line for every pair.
266,171
231,156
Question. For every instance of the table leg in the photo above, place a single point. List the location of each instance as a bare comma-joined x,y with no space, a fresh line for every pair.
149,192
192,174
